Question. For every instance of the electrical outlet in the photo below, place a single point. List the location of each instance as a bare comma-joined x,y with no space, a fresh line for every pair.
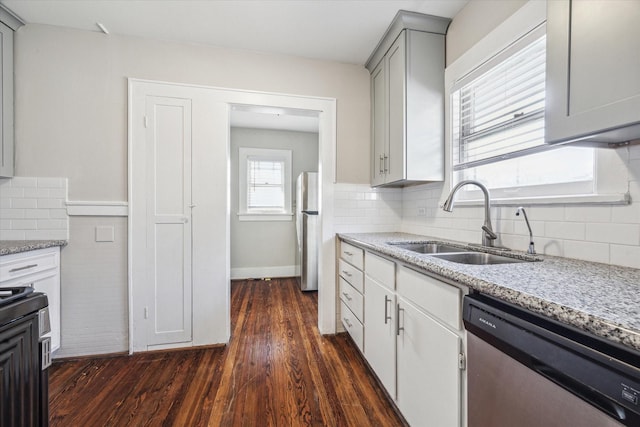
422,211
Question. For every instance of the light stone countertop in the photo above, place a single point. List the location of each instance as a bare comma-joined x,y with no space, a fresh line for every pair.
599,298
8,247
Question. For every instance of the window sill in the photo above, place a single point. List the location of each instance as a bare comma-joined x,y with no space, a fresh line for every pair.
264,217
585,199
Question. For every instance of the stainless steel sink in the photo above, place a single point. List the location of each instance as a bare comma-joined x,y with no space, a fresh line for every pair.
428,247
478,258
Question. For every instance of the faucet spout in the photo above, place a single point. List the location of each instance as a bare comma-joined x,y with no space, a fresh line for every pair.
488,235
532,249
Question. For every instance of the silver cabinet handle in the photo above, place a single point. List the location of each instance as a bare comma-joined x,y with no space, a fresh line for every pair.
348,253
381,164
346,295
399,328
349,324
26,267
347,273
386,311
386,169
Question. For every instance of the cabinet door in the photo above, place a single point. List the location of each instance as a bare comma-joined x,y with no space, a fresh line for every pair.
380,333
6,107
379,123
395,164
428,372
593,67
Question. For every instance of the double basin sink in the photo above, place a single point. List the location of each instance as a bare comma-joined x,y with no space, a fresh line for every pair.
457,254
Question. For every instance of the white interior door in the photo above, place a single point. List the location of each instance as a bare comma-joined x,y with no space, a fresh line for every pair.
168,189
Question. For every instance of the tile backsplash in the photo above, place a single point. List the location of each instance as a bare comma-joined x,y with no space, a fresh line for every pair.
600,233
33,209
358,208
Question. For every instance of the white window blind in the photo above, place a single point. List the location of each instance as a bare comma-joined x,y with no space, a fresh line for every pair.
266,189
265,185
498,110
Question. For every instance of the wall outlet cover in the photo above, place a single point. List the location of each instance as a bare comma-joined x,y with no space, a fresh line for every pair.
105,233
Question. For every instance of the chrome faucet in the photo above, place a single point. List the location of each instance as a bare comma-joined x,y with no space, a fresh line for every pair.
488,235
532,249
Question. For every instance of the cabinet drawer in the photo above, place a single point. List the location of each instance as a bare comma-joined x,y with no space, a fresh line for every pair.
351,275
439,299
351,254
352,325
352,298
381,270
26,263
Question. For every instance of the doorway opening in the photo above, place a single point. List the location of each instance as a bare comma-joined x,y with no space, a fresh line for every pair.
207,209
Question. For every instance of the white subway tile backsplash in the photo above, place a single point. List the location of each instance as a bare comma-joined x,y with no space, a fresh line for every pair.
625,234
565,230
50,203
24,224
589,251
590,214
625,255
33,208
51,182
24,182
12,235
24,203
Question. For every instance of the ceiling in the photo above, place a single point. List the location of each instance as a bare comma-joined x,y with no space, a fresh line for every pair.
334,30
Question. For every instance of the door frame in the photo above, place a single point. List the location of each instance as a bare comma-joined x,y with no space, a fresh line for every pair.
221,101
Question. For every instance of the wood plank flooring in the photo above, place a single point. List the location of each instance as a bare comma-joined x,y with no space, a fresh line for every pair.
276,371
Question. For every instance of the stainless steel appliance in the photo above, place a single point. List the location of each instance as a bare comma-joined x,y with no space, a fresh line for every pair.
307,229
25,356
527,370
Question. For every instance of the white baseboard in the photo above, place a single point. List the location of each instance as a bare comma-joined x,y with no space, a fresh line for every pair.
262,272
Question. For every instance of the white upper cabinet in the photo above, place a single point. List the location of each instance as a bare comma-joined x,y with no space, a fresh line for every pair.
8,24
407,101
593,71
6,107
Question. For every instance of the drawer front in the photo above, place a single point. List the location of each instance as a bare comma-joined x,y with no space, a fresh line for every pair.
352,275
439,299
381,270
352,298
352,325
351,254
26,263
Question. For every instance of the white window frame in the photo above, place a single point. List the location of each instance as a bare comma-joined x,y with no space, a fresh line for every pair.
246,153
608,188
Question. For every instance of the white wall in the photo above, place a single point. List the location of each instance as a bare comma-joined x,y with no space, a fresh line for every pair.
259,248
71,121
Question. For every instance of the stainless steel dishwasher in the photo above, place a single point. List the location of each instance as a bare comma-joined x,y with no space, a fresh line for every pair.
526,370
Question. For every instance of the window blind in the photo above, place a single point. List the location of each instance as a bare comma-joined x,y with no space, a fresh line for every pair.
498,110
265,190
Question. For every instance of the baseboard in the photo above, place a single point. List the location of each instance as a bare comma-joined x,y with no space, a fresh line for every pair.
262,272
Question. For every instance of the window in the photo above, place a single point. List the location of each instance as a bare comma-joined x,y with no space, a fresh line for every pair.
497,133
265,184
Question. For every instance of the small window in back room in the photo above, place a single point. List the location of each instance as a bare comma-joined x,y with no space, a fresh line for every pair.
498,129
265,184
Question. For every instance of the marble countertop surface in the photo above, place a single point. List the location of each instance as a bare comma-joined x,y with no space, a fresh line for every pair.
8,247
599,298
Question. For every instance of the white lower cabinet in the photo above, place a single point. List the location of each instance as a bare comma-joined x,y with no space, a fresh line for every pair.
413,339
380,332
39,269
428,369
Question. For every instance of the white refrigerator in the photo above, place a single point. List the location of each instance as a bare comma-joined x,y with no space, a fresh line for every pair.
307,229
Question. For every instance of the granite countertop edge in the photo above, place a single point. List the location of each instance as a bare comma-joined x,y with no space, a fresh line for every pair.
10,247
570,291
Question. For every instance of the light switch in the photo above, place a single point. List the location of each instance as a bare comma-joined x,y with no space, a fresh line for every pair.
105,234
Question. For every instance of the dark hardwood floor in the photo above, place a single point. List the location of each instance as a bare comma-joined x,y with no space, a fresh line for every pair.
276,371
